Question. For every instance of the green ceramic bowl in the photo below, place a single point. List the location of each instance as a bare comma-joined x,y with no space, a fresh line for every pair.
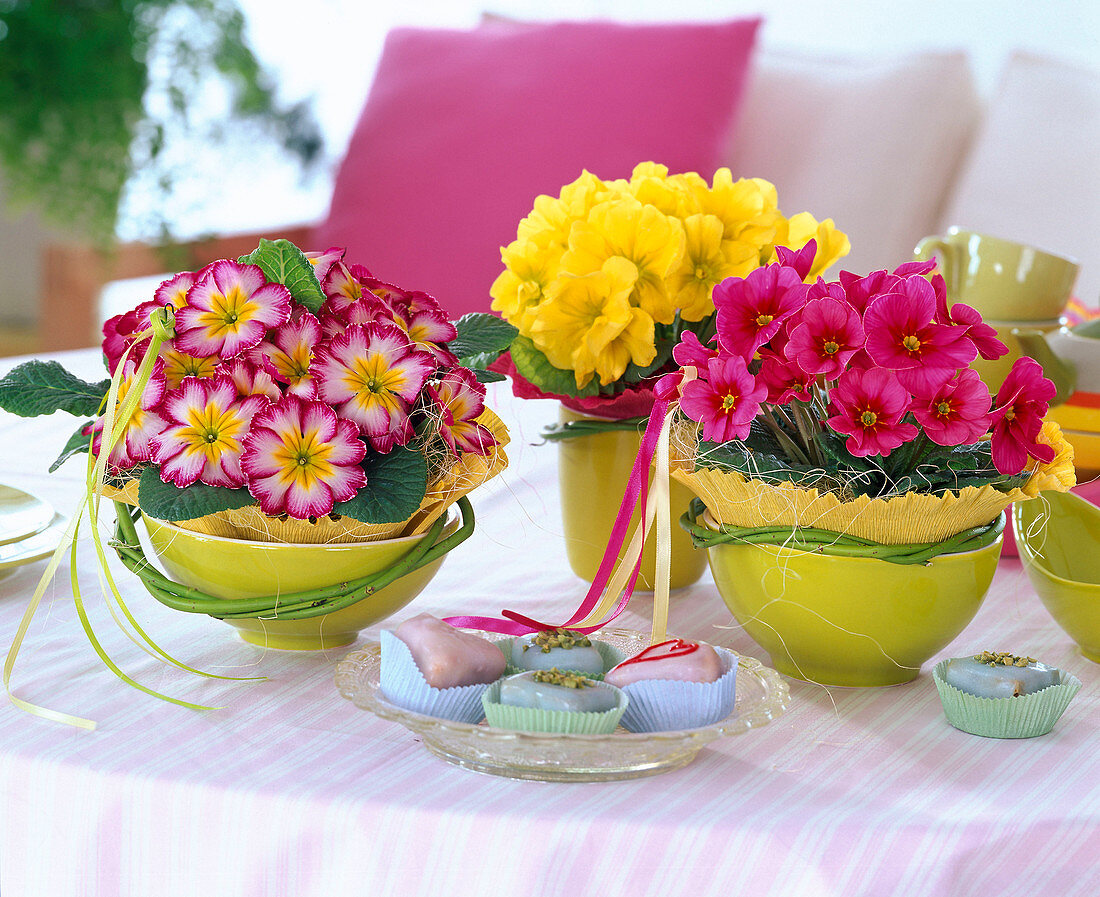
1058,535
852,621
233,568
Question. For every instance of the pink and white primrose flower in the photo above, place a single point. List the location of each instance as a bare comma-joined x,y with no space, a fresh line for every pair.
1021,402
122,331
288,352
301,459
135,445
230,310
371,374
251,379
957,413
203,441
323,261
178,365
174,290
460,400
868,407
724,399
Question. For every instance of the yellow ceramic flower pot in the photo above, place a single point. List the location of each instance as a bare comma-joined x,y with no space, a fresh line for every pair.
593,471
235,568
853,621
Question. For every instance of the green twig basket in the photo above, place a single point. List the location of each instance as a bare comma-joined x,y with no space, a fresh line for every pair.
836,544
283,607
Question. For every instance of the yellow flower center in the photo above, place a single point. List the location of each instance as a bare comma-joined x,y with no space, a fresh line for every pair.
911,343
831,347
764,320
729,403
943,409
1010,413
868,418
700,273
303,459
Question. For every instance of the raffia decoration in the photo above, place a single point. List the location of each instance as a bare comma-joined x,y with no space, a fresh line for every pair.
465,475
910,518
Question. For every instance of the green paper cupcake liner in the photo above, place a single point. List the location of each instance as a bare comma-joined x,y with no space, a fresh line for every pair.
1026,716
532,719
611,656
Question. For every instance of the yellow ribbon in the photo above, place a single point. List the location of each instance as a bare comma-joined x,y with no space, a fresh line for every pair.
116,418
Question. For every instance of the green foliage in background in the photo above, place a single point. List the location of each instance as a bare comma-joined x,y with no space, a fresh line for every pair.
91,90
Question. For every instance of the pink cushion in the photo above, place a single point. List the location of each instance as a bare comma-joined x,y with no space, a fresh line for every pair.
463,129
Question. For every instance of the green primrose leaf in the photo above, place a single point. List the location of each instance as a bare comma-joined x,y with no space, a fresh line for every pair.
536,368
396,483
43,387
77,444
481,339
166,501
283,262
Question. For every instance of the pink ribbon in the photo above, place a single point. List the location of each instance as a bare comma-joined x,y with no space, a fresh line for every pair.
636,491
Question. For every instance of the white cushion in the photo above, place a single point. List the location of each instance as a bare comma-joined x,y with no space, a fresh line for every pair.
1033,175
874,144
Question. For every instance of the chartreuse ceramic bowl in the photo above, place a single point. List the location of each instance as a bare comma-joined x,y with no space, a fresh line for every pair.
233,568
1058,536
853,621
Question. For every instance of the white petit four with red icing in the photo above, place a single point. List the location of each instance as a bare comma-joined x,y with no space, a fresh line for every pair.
673,659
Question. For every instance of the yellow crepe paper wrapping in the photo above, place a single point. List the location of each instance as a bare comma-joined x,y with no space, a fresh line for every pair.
466,474
904,519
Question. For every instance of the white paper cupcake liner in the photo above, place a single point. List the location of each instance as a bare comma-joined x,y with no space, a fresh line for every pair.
1026,716
403,684
611,656
532,719
665,705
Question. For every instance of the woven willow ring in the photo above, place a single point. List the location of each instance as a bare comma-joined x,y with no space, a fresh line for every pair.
293,606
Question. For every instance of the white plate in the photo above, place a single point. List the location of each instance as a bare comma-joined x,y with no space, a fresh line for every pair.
761,696
40,545
22,514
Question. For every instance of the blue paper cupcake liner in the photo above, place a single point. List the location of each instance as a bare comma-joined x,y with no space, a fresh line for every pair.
404,685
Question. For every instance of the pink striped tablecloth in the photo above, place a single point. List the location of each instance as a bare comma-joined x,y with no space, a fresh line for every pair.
288,789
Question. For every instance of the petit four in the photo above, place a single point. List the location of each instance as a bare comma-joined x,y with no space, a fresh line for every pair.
432,668
1002,695
560,649
554,701
676,684
448,657
999,675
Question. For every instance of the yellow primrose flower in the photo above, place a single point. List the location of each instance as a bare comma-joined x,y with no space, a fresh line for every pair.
1060,474
551,218
588,324
705,263
640,234
521,286
799,229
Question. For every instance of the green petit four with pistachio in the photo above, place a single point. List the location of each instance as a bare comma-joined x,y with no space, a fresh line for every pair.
998,674
560,649
556,690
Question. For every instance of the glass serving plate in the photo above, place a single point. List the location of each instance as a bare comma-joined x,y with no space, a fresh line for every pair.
761,696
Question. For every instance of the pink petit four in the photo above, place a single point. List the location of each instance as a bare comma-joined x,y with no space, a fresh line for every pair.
674,660
448,657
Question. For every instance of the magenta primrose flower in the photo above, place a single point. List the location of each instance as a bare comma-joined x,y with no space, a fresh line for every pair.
902,336
829,334
724,399
230,310
689,351
371,373
750,310
957,413
207,423
868,407
460,400
300,459
1017,415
